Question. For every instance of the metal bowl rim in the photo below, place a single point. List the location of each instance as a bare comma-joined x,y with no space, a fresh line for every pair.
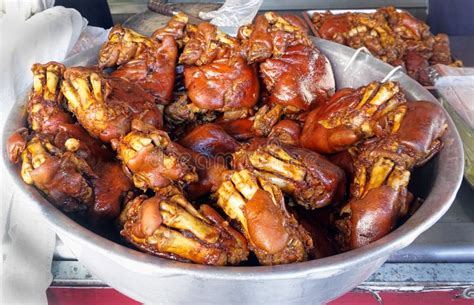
145,263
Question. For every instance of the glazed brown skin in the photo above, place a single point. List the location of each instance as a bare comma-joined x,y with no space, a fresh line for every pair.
95,163
16,143
390,35
167,225
379,196
240,129
265,223
108,114
352,115
108,193
210,172
344,160
405,24
90,149
297,78
110,188
416,67
258,210
419,137
423,127
313,181
314,223
380,138
59,150
147,61
151,159
293,70
210,140
260,43
175,28
233,240
206,44
315,136
442,51
153,70
216,76
61,176
286,132
372,217
64,184
222,86
417,140
45,113
333,27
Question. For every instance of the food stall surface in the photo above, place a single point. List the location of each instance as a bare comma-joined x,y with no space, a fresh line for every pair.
440,263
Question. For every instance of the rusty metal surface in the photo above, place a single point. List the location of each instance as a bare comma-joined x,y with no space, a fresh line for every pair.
148,21
413,277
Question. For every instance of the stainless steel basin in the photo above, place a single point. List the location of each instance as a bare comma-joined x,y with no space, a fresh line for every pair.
154,280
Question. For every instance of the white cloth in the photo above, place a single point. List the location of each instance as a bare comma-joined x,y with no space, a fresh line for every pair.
27,241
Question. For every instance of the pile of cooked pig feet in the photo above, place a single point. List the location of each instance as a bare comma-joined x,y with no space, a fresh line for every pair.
257,159
392,35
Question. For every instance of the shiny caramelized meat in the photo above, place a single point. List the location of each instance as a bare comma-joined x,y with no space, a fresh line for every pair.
223,86
210,172
152,160
240,129
416,65
361,30
294,72
210,140
58,150
74,138
442,52
405,25
106,106
371,217
352,115
226,142
148,62
109,194
168,225
73,170
216,77
258,209
176,28
16,144
313,181
382,171
417,140
122,46
332,27
392,35
62,177
45,112
182,111
286,132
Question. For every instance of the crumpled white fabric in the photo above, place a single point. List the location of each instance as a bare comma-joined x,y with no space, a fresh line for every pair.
233,13
27,241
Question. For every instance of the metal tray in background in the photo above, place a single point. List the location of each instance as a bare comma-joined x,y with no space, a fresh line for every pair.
308,14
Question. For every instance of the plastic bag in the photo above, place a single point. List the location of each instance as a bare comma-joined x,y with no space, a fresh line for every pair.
233,13
456,88
28,36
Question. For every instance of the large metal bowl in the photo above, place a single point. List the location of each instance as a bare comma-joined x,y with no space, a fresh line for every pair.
155,280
